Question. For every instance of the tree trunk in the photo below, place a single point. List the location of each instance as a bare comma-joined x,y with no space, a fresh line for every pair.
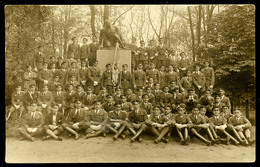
199,30
106,13
192,35
53,30
93,14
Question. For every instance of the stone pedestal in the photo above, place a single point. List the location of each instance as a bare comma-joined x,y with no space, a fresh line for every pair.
107,56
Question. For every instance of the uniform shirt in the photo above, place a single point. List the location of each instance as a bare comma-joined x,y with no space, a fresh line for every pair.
204,100
52,119
173,76
99,116
108,106
157,94
209,76
69,96
148,107
186,83
93,47
162,51
182,119
177,98
84,51
77,115
30,97
121,115
33,120
88,99
242,120
93,75
45,97
106,79
74,48
125,79
165,98
218,120
17,97
137,116
197,119
101,97
161,119
153,73
142,51
139,78
59,97
198,79
83,74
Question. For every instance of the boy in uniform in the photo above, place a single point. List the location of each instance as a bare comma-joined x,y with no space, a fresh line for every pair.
143,58
16,103
240,125
84,51
117,121
89,98
30,96
158,124
33,123
54,123
182,124
97,118
45,76
125,78
45,99
77,120
137,118
94,77
139,78
153,73
199,124
219,124
162,54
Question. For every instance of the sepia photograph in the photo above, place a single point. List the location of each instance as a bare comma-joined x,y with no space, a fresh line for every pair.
131,83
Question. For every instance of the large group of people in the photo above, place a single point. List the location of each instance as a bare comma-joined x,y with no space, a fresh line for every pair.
162,94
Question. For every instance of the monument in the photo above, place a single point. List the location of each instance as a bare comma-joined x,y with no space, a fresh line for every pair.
113,50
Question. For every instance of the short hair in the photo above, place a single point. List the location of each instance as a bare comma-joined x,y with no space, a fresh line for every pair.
107,65
88,89
85,39
31,85
54,104
58,85
145,95
135,101
77,100
124,65
117,103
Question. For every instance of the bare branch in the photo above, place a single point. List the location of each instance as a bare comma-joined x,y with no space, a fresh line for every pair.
149,16
122,14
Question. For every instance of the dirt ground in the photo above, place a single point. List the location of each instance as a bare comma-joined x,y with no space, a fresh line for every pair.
102,149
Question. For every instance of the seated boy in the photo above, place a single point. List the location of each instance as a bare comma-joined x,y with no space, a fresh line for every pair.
219,124
54,123
240,125
158,124
182,124
117,121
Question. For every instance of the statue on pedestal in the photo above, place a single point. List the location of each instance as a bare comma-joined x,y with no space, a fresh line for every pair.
110,35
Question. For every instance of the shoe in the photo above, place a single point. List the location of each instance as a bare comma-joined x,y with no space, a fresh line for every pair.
114,138
104,134
21,138
228,141
122,136
186,142
32,139
165,140
156,141
132,140
59,138
182,142
76,136
209,143
243,143
90,135
188,139
140,139
44,138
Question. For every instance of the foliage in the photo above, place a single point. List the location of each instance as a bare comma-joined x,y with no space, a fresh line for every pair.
231,46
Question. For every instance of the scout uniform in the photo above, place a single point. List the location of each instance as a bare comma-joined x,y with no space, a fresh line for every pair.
29,78
29,98
77,115
198,79
38,59
162,55
153,73
89,99
83,76
106,81
172,76
165,99
33,121
44,75
17,103
139,78
45,98
143,58
73,48
209,76
94,75
125,80
84,52
93,47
